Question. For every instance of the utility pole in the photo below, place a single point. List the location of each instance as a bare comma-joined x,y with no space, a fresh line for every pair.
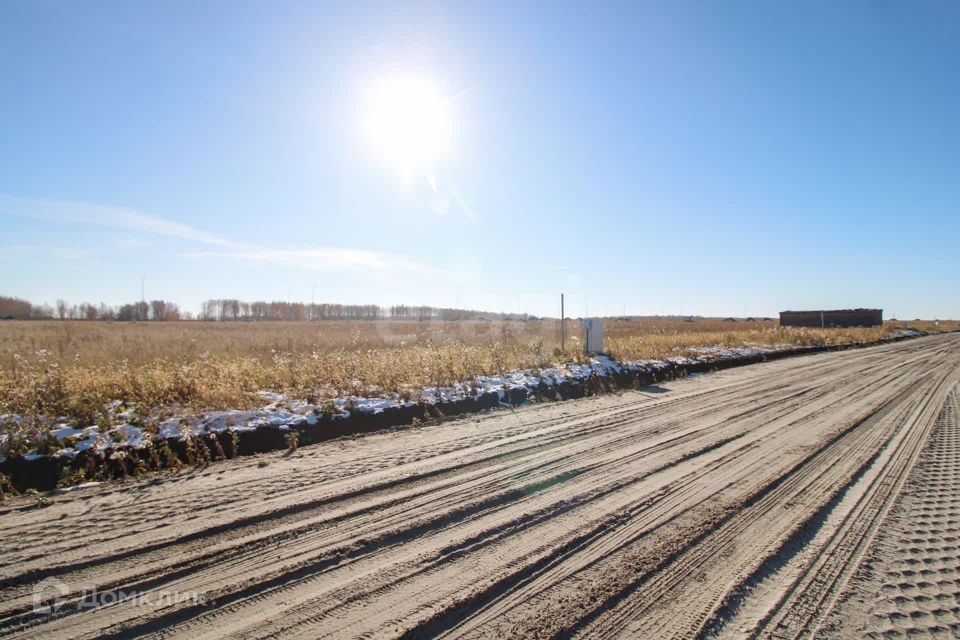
143,299
312,290
561,323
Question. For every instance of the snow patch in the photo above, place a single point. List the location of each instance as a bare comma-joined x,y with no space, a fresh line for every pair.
129,435
77,487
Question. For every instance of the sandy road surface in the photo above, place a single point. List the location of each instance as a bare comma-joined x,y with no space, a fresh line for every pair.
909,586
736,504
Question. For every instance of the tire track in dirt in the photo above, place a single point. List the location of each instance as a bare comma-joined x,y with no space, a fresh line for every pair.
553,524
813,596
909,583
645,513
817,559
642,609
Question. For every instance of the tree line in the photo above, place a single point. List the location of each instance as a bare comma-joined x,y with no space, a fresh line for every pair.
234,310
19,309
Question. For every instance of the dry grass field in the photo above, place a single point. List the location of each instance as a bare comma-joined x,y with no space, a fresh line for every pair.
74,369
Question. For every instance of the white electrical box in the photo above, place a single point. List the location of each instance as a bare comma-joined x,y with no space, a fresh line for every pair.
593,342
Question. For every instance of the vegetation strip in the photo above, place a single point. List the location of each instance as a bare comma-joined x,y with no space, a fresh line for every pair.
35,471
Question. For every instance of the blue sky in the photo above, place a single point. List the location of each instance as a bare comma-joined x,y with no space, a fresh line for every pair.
721,158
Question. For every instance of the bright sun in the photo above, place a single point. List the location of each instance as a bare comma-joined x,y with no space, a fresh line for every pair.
408,122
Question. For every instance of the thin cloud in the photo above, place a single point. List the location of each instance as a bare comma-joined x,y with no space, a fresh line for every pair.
330,259
105,216
58,253
129,242
324,259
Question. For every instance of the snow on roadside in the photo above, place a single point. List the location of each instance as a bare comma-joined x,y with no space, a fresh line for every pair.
77,487
282,412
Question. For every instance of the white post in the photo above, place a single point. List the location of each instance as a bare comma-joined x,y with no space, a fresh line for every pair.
561,323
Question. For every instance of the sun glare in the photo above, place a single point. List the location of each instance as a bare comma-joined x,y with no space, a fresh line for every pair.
409,123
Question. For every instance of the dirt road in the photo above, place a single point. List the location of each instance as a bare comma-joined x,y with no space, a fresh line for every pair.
746,503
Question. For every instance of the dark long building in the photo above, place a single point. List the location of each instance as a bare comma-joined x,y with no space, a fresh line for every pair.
834,318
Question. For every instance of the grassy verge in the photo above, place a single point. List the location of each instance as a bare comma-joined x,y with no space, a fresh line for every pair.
76,370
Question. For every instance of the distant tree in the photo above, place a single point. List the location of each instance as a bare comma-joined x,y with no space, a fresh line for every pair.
15,308
158,310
